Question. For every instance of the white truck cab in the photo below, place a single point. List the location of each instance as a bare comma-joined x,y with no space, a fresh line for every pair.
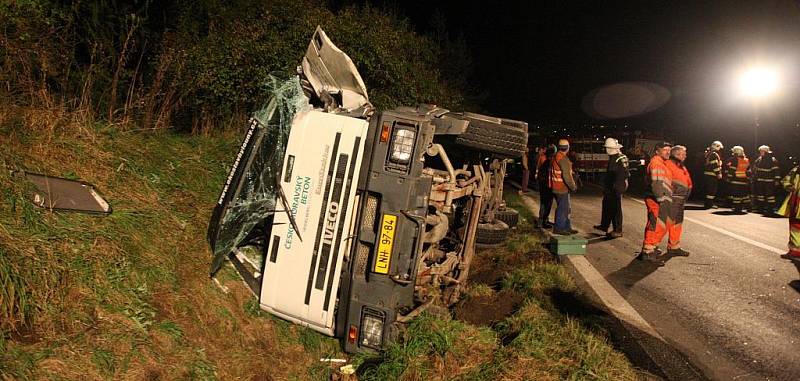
353,221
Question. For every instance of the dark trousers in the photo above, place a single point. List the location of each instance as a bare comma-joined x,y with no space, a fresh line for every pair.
525,178
612,211
711,185
739,194
562,222
764,194
545,204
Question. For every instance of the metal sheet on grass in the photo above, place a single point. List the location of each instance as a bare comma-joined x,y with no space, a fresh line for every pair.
57,193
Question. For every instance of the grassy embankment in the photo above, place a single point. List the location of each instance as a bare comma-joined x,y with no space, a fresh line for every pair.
127,296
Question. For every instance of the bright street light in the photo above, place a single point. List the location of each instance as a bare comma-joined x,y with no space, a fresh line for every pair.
758,82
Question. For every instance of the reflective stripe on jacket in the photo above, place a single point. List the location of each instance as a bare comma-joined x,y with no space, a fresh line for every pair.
681,180
791,205
766,169
658,181
713,165
617,173
736,170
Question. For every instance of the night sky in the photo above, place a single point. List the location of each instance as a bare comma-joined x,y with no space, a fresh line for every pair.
536,61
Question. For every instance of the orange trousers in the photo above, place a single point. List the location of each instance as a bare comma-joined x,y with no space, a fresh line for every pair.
660,222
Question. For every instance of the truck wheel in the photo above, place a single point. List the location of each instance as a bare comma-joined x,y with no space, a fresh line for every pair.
508,215
491,232
507,141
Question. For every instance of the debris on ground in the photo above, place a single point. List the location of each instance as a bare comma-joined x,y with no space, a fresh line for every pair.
56,193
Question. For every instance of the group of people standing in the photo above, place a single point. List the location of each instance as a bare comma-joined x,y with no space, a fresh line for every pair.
750,186
668,186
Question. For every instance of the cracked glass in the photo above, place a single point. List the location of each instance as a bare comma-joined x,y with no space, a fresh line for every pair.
247,219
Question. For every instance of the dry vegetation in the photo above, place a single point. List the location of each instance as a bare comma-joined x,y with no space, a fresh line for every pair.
127,296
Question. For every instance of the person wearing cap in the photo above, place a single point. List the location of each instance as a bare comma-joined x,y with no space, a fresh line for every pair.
562,183
615,184
681,189
766,177
658,200
791,209
712,172
736,169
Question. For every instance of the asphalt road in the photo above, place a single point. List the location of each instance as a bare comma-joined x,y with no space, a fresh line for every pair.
732,307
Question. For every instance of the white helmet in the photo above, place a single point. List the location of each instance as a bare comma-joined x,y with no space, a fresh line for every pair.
717,145
764,148
612,143
737,150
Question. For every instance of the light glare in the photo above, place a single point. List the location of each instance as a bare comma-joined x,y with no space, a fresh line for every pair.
758,82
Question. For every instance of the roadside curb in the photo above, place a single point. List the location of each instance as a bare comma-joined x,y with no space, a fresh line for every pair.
638,338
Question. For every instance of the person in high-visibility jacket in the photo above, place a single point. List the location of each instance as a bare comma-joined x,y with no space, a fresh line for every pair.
681,189
658,200
791,208
736,169
766,177
712,172
562,183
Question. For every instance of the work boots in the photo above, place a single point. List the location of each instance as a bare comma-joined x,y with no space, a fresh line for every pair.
652,257
678,252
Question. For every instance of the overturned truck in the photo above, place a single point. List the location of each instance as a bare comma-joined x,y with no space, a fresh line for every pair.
349,220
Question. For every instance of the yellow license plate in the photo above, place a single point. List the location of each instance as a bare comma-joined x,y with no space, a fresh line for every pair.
385,242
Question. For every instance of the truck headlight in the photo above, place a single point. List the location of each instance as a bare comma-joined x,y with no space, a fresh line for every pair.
402,145
372,329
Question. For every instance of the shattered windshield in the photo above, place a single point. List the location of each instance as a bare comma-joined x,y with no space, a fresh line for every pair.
253,198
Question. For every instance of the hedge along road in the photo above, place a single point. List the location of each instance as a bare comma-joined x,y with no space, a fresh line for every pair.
732,307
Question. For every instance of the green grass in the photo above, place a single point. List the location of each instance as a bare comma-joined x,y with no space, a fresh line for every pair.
536,342
117,297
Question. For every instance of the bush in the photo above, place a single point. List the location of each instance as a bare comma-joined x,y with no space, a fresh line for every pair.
196,64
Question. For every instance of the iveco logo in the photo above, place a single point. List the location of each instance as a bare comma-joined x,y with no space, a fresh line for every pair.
330,222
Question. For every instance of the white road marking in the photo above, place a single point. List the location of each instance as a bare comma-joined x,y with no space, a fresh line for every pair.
727,233
608,295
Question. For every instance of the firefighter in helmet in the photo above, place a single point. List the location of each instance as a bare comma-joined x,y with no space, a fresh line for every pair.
615,184
736,169
766,177
712,172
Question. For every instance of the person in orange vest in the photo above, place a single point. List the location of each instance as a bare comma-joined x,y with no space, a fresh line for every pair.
736,174
658,200
562,183
791,208
681,189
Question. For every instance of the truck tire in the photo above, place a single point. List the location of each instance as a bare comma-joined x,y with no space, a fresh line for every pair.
508,215
491,232
496,138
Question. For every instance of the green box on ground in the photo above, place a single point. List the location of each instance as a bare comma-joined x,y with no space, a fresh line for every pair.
568,245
